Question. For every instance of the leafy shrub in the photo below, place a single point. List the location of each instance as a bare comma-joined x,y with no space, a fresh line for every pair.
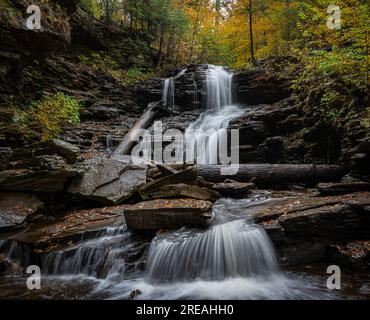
45,118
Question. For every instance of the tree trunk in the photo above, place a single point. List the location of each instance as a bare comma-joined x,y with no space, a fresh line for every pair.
218,12
275,174
133,135
287,22
161,46
253,59
195,31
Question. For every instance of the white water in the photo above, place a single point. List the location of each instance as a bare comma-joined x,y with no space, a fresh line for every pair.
219,88
220,111
227,249
232,259
169,90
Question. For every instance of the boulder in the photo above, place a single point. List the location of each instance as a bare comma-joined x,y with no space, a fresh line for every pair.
109,181
67,151
188,176
343,187
16,208
181,191
63,230
233,189
38,174
8,267
168,214
354,254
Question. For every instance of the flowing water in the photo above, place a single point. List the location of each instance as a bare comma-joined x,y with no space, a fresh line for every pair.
169,90
231,259
210,127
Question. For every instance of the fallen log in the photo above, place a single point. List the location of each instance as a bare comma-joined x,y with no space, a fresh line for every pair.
275,174
153,110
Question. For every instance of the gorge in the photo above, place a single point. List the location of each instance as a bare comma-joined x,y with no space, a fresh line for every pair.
231,257
75,100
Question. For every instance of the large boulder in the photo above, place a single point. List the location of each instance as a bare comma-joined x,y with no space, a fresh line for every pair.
16,208
354,254
109,181
152,189
37,174
67,151
168,214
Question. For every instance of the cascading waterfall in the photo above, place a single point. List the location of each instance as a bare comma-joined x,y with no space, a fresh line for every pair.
233,249
232,259
169,90
219,88
220,111
109,144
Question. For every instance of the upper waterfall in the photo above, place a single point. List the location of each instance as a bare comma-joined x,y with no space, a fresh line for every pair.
219,87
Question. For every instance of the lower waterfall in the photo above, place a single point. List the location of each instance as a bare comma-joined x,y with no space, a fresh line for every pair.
232,249
232,259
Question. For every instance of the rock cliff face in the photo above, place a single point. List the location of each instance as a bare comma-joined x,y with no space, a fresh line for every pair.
249,87
35,63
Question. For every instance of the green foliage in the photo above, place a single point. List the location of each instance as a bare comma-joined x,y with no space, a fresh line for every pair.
46,118
93,7
334,78
365,122
101,61
135,74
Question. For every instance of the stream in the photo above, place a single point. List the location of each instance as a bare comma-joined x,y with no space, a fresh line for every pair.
231,259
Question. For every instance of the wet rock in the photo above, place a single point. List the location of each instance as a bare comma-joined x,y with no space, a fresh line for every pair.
233,189
338,218
5,155
8,267
16,208
110,181
291,124
303,227
302,253
181,191
275,231
67,151
342,187
102,111
38,174
354,255
188,176
257,87
67,229
134,294
168,214
251,132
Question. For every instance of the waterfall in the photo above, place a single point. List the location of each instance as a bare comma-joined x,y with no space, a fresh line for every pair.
220,111
103,257
108,142
169,90
219,87
236,248
169,93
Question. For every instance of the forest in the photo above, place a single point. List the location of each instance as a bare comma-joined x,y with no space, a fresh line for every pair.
119,120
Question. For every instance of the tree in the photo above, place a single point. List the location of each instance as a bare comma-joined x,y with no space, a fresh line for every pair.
251,41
